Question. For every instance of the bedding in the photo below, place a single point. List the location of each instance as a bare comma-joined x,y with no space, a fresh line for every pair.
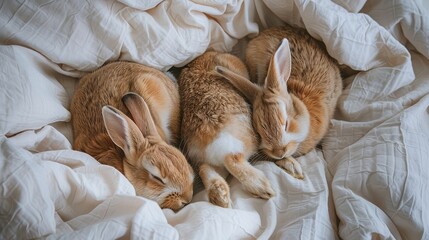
368,180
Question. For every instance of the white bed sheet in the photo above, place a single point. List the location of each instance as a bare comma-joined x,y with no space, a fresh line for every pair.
369,181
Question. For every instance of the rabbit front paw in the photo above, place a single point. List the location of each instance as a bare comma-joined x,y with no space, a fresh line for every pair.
219,193
291,166
259,186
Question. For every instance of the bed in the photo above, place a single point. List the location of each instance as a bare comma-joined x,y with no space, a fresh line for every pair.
369,180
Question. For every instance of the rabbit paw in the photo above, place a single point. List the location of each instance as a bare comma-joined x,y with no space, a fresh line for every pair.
291,166
259,186
219,193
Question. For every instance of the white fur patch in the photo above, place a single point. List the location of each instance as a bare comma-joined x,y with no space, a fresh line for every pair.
223,145
191,177
303,126
212,174
164,116
282,107
171,76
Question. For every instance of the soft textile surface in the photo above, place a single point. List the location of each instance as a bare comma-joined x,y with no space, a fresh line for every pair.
370,180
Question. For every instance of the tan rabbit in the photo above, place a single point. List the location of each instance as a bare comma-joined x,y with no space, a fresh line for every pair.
295,96
217,130
140,149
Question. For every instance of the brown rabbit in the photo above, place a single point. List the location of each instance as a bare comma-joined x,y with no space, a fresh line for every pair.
140,149
296,92
217,130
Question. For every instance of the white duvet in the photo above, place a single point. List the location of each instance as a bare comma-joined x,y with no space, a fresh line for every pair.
369,181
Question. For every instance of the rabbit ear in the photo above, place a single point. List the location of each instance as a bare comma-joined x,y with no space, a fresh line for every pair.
280,67
122,130
141,114
242,84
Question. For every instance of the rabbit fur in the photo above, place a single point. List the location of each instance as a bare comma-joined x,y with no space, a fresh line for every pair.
296,85
217,133
127,115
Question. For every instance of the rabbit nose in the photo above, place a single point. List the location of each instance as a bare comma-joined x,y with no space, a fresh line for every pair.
177,206
187,199
184,203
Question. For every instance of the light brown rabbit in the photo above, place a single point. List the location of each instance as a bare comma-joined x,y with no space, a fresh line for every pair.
295,96
140,149
217,130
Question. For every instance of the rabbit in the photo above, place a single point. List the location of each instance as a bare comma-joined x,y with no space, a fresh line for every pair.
294,91
102,108
217,133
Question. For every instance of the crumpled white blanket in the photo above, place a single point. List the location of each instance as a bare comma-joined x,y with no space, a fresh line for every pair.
368,182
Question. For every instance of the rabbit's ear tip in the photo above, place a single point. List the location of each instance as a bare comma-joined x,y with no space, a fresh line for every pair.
219,69
129,95
108,108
